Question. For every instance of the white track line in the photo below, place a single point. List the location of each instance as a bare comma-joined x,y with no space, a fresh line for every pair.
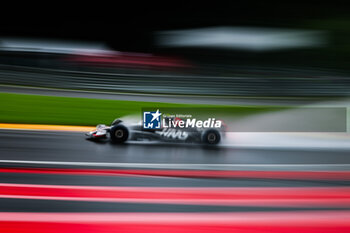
196,166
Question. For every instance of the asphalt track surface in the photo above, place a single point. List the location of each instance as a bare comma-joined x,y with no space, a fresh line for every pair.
61,180
69,146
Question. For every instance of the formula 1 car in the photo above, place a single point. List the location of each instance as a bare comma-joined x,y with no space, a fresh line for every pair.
120,131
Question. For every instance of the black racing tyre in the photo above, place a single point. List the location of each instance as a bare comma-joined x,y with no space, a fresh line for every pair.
211,136
119,134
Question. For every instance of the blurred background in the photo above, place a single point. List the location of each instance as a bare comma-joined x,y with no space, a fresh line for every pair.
278,72
233,49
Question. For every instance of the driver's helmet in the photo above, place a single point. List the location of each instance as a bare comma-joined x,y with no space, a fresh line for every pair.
116,121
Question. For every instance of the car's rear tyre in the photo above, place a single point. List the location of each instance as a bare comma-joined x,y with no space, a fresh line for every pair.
211,136
119,134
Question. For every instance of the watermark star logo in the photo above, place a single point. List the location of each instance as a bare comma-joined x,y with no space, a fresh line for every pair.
152,120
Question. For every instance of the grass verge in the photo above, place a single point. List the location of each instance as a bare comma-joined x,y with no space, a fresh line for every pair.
37,109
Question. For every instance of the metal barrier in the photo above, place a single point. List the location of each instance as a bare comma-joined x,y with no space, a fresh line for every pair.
175,84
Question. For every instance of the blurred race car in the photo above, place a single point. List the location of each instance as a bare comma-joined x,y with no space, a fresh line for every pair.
120,131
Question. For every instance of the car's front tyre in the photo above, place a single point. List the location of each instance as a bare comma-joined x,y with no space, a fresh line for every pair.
119,133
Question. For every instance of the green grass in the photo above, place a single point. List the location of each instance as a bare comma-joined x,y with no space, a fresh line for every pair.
36,109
